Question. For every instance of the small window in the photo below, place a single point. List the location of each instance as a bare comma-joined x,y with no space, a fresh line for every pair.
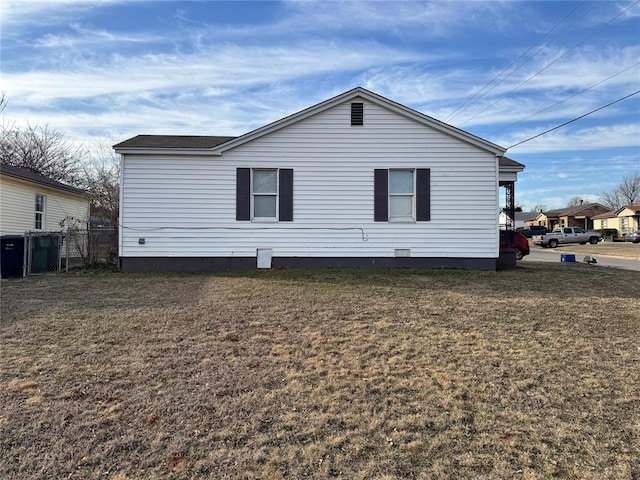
40,210
357,114
265,193
401,194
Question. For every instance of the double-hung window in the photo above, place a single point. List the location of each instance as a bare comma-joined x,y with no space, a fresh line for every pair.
264,194
264,191
402,195
39,212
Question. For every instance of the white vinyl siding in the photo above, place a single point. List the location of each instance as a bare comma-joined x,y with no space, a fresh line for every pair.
17,206
185,205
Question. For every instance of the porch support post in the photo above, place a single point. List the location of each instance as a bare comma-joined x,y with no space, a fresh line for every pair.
510,209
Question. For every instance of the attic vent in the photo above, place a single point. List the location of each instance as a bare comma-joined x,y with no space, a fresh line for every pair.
357,114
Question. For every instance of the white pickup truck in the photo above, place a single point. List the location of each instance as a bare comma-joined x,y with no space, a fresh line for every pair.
567,235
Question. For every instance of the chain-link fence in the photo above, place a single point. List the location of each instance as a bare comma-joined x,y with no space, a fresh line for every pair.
47,252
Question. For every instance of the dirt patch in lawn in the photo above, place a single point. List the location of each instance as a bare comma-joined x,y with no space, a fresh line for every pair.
322,374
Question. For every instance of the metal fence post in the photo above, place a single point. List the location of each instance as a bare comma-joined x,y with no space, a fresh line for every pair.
60,252
25,249
29,253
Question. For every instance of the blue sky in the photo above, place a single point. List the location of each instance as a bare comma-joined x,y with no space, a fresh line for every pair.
103,71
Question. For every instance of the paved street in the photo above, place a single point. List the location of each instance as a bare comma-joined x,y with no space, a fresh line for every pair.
551,255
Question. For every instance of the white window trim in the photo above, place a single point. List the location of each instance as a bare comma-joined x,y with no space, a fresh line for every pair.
43,212
412,218
277,195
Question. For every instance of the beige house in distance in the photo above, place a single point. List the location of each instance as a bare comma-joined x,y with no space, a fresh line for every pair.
625,219
579,216
33,202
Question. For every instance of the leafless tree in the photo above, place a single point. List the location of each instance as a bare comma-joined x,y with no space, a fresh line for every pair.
43,151
539,208
101,179
627,192
575,201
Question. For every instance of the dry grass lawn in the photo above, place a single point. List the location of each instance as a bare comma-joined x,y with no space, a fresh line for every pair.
355,374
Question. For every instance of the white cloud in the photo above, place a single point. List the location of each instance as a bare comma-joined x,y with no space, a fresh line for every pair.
592,138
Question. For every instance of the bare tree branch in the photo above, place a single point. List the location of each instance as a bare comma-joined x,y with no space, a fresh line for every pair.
43,151
627,192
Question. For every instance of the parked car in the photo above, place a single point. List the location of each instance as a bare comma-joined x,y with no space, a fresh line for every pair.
534,230
511,239
567,235
633,237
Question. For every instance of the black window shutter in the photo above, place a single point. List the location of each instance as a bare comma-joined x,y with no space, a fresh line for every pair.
285,213
380,195
243,194
357,114
423,194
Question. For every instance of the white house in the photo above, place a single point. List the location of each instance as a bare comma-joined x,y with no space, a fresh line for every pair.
357,180
33,202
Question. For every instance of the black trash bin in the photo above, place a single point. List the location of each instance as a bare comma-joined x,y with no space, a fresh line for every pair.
12,255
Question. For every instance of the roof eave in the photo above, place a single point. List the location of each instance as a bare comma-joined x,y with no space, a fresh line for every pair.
61,187
166,151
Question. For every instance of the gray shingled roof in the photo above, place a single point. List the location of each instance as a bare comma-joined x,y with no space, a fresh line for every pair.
508,162
173,141
26,174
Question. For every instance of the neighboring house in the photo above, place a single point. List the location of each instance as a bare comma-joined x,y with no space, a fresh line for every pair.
629,217
578,216
33,202
625,219
357,180
607,220
519,218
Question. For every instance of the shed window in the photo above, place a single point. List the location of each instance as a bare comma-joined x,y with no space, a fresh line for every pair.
39,211
357,114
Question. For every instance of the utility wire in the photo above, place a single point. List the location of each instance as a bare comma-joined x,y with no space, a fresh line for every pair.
565,99
575,119
557,59
461,108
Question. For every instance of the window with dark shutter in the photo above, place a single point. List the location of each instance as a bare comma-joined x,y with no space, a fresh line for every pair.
394,195
381,195
285,213
357,114
243,194
423,194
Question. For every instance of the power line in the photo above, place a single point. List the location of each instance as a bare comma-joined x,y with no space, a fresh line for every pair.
565,99
461,108
575,119
557,59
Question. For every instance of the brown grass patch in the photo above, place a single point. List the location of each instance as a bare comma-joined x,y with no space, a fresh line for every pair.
359,374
